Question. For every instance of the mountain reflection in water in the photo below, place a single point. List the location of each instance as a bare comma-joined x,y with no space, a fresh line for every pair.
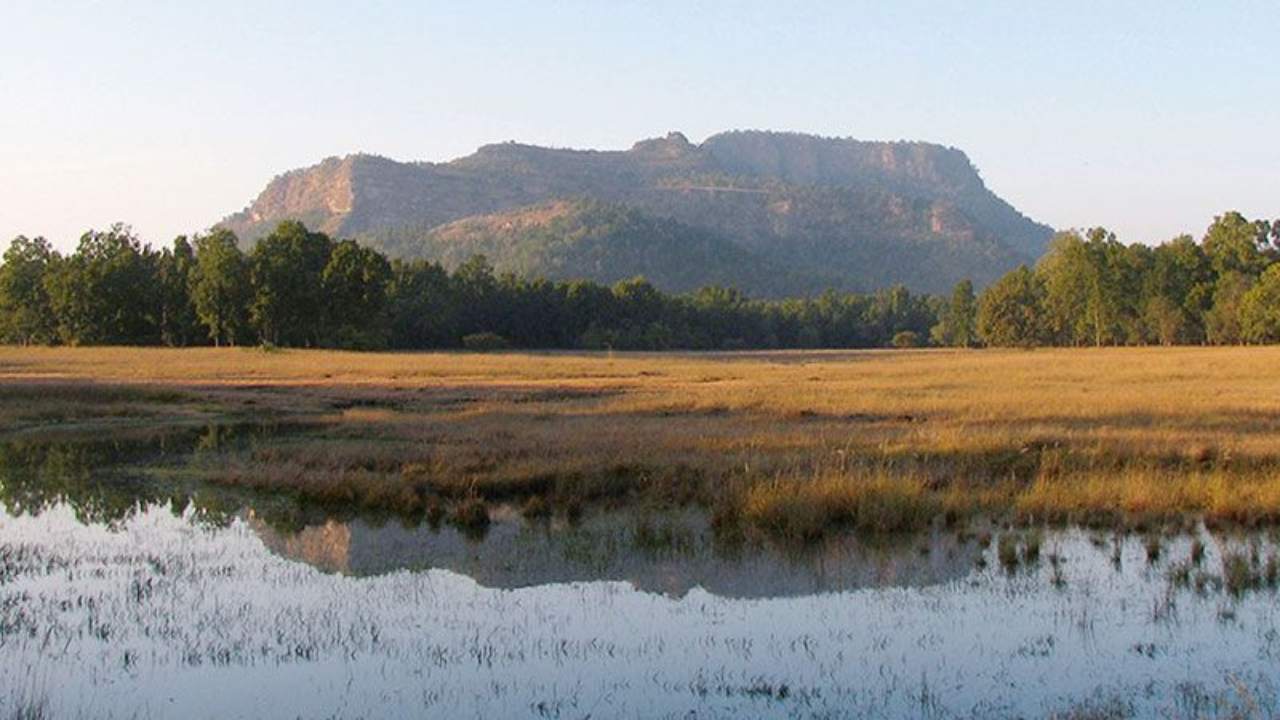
671,555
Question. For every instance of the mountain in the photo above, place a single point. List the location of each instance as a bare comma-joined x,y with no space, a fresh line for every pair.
606,242
773,212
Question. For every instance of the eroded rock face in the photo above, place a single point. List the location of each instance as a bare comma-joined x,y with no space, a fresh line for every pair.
838,212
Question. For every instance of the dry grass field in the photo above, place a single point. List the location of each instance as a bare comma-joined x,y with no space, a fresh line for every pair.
795,443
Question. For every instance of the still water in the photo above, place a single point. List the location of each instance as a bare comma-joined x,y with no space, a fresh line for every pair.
160,610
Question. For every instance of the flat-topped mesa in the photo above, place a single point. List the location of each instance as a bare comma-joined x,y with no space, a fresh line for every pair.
857,214
813,160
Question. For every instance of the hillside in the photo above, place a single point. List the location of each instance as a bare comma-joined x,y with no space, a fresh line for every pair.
573,239
824,211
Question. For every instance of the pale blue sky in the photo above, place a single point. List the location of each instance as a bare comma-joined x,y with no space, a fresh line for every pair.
1147,117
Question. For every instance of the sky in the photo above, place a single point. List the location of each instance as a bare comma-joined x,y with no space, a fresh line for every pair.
1148,118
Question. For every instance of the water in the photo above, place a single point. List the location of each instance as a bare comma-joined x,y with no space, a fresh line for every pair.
159,609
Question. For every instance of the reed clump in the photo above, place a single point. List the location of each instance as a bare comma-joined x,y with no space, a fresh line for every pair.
1244,571
869,501
470,514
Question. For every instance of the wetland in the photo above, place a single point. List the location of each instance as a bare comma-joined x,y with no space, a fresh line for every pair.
578,536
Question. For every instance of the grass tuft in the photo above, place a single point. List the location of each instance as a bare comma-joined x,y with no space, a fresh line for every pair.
471,515
807,508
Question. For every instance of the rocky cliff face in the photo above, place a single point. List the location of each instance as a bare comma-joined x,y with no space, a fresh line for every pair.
866,213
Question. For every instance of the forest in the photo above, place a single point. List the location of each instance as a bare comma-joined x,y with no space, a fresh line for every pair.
299,288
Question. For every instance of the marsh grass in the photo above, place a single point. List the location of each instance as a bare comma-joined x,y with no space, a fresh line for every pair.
866,501
1244,571
789,442
1031,547
536,508
1007,551
471,515
1153,546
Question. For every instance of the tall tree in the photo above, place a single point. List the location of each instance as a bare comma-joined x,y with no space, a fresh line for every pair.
1092,288
1164,320
175,269
1011,311
26,316
287,269
1232,244
1260,309
106,293
958,322
1066,273
1222,321
425,310
477,291
355,286
1177,291
220,287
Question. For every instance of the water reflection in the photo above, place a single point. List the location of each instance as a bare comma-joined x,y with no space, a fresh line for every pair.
670,555
108,479
166,616
124,596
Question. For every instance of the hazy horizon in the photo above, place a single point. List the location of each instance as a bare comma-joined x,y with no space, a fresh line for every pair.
1149,119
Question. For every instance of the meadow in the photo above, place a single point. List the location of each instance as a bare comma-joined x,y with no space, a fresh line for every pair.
792,444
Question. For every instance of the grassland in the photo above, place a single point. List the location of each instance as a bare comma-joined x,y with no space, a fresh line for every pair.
793,443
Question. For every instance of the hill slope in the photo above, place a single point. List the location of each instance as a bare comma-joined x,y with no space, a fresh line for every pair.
857,214
605,242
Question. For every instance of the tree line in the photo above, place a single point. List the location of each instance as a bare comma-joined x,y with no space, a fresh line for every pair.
1090,289
300,288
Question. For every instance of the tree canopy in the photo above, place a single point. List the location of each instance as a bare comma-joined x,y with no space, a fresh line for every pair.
300,288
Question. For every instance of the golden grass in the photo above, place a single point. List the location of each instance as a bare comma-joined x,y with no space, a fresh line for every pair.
790,440
807,507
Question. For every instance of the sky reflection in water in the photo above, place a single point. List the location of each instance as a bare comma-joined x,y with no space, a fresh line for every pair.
162,615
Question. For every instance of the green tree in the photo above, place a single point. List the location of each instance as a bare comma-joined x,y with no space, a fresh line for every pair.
958,326
1222,321
286,268
425,309
638,302
355,285
589,311
175,270
889,312
1180,275
1232,244
106,292
1011,311
26,316
1089,286
220,287
480,301
1164,320
1066,272
1260,309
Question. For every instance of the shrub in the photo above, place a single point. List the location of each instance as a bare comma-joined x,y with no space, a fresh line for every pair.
906,339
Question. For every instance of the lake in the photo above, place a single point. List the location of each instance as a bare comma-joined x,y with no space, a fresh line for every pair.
131,589
117,600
